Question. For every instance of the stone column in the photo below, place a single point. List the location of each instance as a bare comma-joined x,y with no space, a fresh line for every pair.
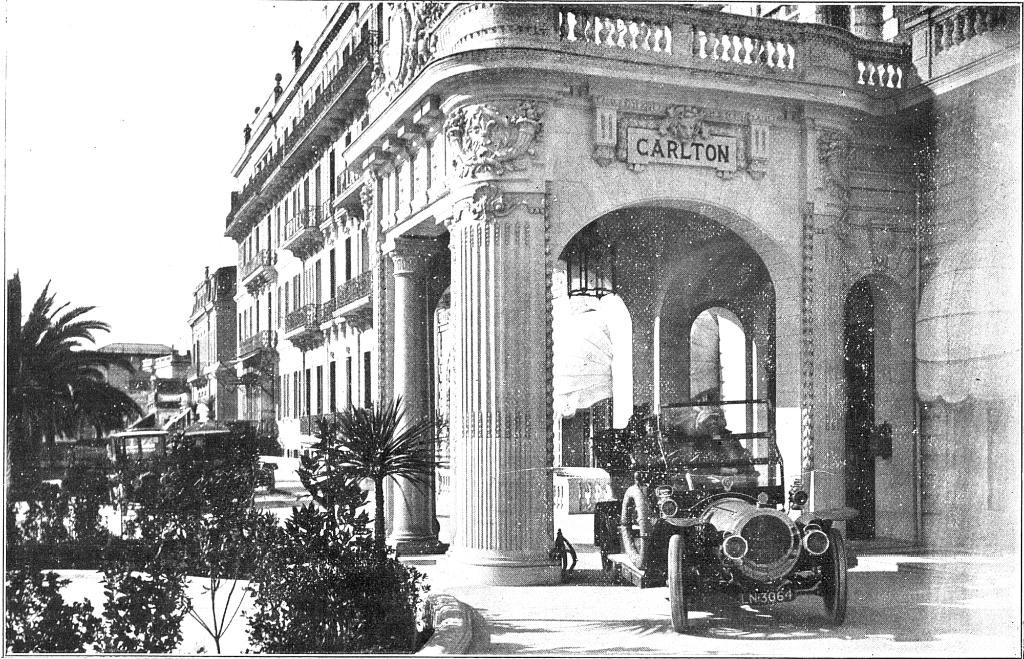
501,395
413,503
867,21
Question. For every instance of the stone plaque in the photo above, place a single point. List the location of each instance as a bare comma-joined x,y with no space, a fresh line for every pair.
645,146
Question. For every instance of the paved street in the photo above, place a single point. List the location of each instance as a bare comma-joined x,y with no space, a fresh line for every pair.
926,608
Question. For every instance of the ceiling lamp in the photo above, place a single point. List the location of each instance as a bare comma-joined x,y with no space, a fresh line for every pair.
590,264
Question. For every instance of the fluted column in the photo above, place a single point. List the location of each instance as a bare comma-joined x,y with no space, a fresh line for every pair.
413,502
500,392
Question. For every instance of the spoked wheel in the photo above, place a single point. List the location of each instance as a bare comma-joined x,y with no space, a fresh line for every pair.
833,578
678,580
635,527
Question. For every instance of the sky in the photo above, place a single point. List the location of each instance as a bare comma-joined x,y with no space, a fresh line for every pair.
123,121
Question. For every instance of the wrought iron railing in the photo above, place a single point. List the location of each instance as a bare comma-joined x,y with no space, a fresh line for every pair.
307,218
362,56
355,288
262,340
264,258
304,316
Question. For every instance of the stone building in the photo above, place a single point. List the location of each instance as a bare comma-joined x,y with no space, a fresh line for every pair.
531,218
211,375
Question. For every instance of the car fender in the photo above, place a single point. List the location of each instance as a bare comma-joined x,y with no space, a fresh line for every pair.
840,514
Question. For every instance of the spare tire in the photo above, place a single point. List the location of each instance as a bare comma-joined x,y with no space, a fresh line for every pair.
635,527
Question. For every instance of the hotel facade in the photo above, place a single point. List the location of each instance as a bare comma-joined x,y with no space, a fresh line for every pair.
526,220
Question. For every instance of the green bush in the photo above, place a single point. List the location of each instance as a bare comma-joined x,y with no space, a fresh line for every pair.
38,619
324,590
143,611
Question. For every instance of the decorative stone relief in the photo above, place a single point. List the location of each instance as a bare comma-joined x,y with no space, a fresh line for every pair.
489,202
409,44
835,149
494,139
807,341
685,122
366,194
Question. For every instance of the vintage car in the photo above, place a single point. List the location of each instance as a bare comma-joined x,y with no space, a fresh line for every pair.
704,510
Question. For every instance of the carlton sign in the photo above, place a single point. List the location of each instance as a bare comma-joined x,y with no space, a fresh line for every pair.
646,146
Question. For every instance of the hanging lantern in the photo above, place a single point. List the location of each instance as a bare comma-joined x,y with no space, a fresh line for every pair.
590,264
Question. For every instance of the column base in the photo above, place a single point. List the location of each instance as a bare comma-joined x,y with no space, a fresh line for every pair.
418,546
470,570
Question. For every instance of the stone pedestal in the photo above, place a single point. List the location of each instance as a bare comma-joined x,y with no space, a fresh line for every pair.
501,390
413,530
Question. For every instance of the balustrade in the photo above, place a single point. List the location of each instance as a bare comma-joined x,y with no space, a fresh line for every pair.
733,47
879,74
966,23
619,32
355,288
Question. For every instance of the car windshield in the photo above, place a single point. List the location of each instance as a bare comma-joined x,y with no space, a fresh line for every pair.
698,442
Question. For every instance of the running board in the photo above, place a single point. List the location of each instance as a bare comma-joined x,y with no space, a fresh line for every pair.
623,571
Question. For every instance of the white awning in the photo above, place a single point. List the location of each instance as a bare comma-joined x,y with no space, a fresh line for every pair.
968,323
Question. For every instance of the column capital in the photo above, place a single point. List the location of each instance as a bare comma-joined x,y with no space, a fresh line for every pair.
411,255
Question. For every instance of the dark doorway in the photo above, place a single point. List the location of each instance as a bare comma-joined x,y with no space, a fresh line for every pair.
859,341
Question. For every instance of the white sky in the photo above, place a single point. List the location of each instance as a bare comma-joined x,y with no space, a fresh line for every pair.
123,121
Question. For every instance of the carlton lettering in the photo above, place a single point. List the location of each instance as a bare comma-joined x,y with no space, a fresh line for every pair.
646,145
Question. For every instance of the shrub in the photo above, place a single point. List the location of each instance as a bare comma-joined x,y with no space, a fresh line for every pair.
142,612
325,590
85,484
38,619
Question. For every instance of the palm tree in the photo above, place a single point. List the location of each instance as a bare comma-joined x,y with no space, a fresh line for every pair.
53,384
374,442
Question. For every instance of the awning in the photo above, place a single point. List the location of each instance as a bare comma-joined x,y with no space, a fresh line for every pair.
968,322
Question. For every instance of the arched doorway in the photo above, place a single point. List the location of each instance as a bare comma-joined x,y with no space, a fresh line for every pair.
667,266
859,369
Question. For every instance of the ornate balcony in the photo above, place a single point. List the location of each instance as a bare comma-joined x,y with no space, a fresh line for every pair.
264,340
346,90
259,271
302,327
352,303
302,234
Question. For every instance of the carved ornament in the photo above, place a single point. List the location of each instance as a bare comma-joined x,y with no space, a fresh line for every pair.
489,139
835,149
685,122
366,193
408,46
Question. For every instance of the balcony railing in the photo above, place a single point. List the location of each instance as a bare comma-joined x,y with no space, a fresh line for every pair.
355,288
302,235
305,317
265,258
262,340
358,61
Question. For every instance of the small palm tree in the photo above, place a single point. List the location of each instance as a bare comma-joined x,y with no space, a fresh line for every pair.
374,442
53,384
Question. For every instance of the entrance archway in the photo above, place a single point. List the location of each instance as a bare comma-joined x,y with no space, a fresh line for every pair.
670,266
859,370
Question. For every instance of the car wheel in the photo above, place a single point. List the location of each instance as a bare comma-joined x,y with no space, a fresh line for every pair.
678,580
834,589
635,527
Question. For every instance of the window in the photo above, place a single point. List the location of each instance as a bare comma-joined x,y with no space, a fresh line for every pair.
364,238
333,384
332,277
295,394
348,381
287,299
348,258
256,308
316,187
330,172
317,287
319,389
367,371
270,310
308,391
296,292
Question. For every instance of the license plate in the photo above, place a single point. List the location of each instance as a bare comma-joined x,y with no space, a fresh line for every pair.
767,597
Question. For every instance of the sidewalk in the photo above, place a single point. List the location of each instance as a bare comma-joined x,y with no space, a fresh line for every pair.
900,604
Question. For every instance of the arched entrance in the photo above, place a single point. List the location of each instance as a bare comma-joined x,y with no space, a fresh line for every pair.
859,370
678,274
